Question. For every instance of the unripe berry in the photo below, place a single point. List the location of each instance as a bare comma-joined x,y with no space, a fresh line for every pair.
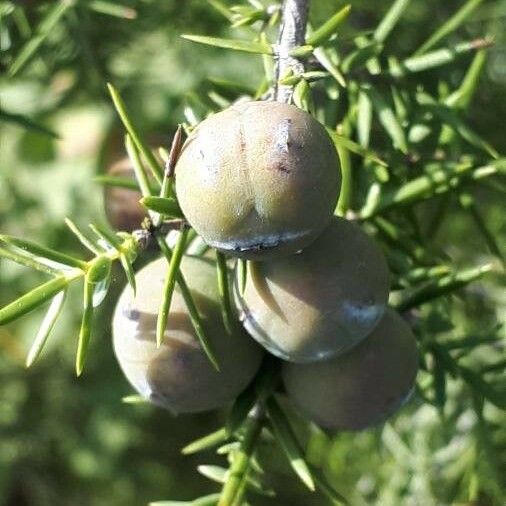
121,205
361,388
259,179
320,302
178,375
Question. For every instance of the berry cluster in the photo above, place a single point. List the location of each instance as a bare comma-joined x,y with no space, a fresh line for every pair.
260,182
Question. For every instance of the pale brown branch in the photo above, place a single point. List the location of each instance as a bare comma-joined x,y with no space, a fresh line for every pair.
292,34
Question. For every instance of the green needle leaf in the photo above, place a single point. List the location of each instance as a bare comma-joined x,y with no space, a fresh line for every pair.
322,55
447,284
242,405
453,120
388,119
288,440
436,58
242,274
445,358
193,312
390,19
310,76
87,320
400,105
372,201
46,327
245,15
230,89
107,236
301,51
101,290
83,239
361,56
27,123
208,500
420,188
197,246
213,473
341,140
28,261
364,119
140,173
252,482
99,274
421,274
33,299
134,399
221,8
449,26
227,448
117,182
302,96
238,45
235,485
321,35
205,443
112,9
224,291
345,196
30,49
163,205
99,269
129,271
147,154
20,19
41,252
461,98
168,288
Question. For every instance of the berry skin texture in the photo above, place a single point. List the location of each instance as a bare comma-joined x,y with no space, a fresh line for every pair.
259,179
320,302
122,207
178,376
361,388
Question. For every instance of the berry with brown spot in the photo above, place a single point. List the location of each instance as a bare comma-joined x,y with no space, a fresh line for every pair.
259,179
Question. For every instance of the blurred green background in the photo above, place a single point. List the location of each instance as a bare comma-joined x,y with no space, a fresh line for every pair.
68,441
